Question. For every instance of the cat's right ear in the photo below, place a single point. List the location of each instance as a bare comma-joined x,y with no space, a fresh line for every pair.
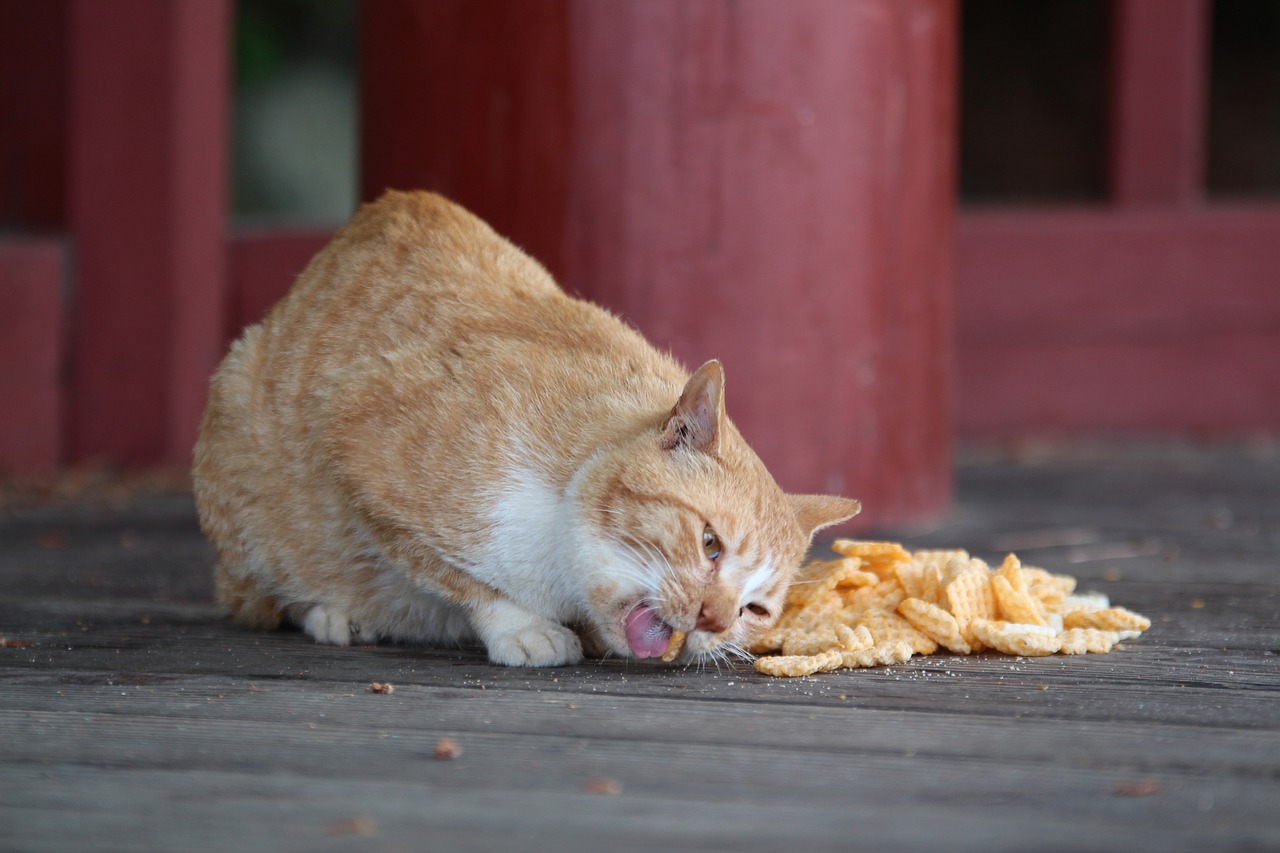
698,416
815,512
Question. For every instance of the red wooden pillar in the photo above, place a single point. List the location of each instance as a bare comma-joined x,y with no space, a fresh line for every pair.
33,59
1160,68
470,98
771,184
31,328
766,183
33,264
262,266
148,111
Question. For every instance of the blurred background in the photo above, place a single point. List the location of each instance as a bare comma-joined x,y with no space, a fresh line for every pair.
904,225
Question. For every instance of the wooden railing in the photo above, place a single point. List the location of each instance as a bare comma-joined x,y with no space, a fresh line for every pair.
1157,311
786,208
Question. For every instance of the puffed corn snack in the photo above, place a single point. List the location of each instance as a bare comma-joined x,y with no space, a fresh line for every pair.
880,604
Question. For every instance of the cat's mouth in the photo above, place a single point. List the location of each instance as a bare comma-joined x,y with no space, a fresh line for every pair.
647,635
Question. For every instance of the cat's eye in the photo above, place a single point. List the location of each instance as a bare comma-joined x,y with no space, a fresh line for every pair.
710,543
757,609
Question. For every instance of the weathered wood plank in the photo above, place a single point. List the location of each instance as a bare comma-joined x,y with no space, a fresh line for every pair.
1197,687
185,705
138,718
652,772
270,814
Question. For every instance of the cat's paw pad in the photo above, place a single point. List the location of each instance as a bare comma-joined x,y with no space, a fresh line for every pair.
547,644
327,624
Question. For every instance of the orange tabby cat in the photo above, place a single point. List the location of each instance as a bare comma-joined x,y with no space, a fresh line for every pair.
427,441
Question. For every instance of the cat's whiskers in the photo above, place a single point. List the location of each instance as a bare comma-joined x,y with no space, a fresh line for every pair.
643,564
713,656
645,553
733,648
640,571
726,654
660,569
660,558
635,574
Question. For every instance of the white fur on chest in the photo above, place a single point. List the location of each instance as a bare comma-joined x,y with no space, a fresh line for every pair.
532,532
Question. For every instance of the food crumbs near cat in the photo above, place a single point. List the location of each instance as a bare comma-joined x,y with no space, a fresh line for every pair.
447,749
604,785
354,825
882,604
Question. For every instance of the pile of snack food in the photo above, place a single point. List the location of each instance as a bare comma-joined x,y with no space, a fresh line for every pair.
881,604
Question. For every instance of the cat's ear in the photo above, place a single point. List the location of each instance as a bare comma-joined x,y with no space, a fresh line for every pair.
698,416
815,512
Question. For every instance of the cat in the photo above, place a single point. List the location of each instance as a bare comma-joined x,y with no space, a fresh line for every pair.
427,441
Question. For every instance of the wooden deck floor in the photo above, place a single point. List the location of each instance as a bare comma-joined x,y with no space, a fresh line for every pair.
133,717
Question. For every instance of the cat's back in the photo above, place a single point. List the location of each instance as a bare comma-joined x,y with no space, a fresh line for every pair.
405,271
411,272
417,281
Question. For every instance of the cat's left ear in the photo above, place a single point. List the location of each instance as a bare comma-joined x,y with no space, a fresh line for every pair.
815,512
698,416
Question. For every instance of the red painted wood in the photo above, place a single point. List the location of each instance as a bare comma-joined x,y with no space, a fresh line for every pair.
1160,59
771,184
148,108
33,94
262,267
469,98
1077,322
766,183
31,334
1211,384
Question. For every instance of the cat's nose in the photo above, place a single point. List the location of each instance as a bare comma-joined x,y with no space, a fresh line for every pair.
709,619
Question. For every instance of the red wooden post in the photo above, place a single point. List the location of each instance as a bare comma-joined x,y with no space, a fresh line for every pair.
33,266
1160,73
262,268
31,330
149,82
33,78
771,184
470,98
766,183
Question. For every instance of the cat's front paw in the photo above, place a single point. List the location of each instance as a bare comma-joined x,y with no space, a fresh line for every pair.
539,645
515,636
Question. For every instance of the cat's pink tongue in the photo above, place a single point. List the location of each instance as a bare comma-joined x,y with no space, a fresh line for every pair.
647,635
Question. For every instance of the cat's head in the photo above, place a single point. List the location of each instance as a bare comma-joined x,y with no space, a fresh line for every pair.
687,530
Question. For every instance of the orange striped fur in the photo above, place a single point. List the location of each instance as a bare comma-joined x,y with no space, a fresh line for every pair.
428,441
